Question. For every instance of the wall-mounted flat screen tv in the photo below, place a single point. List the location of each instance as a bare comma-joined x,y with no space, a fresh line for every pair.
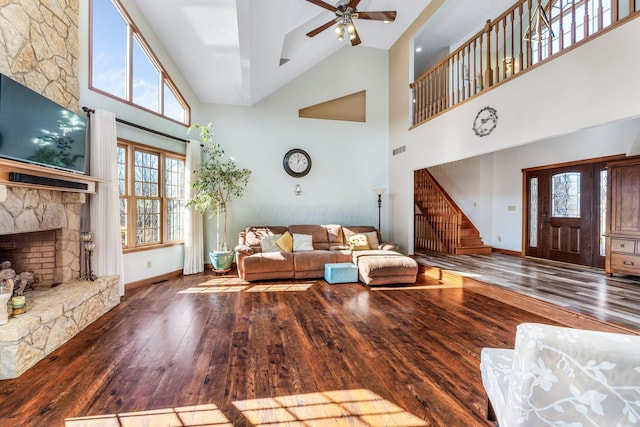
36,130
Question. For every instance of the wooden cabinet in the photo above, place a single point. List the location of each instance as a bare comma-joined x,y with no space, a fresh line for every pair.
623,217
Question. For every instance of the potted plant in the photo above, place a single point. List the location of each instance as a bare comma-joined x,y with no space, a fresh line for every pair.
217,181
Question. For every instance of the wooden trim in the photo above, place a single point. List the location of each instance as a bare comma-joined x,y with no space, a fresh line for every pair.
508,252
577,163
152,280
7,166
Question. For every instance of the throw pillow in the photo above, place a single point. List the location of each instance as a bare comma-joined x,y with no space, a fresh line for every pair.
302,242
268,243
372,238
285,242
359,242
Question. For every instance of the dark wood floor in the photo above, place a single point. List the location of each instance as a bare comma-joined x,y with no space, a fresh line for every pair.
206,350
582,289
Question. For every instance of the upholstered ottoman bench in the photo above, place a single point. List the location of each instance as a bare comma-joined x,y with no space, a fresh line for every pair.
385,267
340,272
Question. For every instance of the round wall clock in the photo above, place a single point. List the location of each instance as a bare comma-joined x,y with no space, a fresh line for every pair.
485,122
297,163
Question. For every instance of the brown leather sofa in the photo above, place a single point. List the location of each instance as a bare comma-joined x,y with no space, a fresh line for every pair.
330,245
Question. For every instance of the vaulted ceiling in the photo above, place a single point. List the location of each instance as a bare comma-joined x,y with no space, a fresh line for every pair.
239,51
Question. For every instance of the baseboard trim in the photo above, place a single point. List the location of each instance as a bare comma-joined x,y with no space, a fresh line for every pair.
152,280
508,252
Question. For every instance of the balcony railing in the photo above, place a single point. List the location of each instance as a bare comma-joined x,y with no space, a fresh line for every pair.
530,33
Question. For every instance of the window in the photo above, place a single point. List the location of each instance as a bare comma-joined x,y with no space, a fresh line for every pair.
152,196
565,202
124,66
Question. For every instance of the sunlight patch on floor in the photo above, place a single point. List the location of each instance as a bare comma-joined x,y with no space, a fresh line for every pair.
220,286
214,290
197,415
416,287
281,287
337,408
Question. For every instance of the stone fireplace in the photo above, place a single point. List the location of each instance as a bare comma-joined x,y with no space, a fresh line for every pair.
40,233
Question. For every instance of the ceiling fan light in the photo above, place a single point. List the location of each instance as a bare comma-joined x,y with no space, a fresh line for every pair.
339,30
352,36
351,29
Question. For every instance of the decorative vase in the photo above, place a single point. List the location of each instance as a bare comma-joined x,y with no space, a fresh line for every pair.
221,260
19,305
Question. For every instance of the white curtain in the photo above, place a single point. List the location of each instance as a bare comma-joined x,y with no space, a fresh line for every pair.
105,204
193,239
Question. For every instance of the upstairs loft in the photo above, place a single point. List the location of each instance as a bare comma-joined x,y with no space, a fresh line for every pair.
529,34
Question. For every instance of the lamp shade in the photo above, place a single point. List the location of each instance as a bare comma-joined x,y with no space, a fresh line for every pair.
379,191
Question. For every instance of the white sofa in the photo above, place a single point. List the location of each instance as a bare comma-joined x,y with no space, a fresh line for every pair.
559,376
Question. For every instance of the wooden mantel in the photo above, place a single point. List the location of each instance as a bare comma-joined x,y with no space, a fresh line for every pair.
10,166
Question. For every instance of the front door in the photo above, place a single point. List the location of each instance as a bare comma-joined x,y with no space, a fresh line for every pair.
566,209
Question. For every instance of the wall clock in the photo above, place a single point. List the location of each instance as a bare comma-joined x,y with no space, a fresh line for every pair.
485,122
297,163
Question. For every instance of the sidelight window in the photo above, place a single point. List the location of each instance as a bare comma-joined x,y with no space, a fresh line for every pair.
533,212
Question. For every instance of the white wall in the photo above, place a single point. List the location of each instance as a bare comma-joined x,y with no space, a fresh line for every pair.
588,86
495,179
349,159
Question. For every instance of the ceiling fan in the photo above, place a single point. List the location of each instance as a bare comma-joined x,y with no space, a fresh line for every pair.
346,11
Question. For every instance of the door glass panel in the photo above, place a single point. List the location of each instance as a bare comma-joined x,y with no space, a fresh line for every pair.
603,210
533,212
565,195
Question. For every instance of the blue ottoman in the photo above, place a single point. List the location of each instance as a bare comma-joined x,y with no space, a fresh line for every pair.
341,272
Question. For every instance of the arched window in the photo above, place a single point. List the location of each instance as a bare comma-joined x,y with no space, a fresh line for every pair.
124,66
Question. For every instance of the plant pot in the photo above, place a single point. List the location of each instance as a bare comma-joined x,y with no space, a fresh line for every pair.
221,260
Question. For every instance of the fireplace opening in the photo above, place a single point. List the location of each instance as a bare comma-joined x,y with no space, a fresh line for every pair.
32,252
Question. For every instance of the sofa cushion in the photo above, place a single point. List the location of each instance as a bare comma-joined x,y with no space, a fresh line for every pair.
313,261
359,242
372,239
319,234
335,235
269,262
357,229
302,242
251,236
268,243
285,242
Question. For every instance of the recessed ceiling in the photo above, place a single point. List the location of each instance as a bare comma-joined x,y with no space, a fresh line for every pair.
239,51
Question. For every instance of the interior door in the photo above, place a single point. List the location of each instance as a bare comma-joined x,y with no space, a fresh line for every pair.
566,210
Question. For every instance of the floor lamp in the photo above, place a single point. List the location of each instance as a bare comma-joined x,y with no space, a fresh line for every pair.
379,192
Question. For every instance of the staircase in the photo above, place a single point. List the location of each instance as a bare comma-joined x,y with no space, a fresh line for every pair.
440,225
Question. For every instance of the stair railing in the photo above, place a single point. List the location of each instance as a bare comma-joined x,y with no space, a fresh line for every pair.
510,44
438,221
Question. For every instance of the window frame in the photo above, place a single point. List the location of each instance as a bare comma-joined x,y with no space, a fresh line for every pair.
134,33
131,147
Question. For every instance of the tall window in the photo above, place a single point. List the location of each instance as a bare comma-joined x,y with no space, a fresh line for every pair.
152,196
124,66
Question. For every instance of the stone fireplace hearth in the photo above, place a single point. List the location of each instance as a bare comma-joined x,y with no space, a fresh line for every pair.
40,233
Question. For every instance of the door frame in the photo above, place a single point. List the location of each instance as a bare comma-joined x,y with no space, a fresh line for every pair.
542,169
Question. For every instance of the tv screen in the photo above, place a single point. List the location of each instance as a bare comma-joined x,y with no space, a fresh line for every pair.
36,130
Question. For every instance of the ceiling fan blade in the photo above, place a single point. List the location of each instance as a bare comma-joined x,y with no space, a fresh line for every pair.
327,6
356,40
389,15
353,4
321,28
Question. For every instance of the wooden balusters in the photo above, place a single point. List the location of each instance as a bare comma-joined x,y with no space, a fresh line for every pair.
450,82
